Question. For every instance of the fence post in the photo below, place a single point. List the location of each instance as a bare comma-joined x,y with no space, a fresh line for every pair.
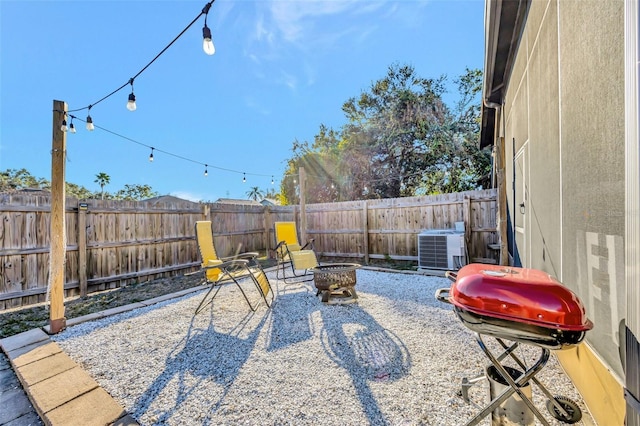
365,231
267,227
82,247
466,217
303,211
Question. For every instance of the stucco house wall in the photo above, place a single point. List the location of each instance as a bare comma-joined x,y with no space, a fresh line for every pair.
563,130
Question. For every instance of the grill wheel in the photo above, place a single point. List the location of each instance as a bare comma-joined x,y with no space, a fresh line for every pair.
572,409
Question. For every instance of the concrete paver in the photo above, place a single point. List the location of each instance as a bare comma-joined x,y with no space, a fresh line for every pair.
44,350
23,339
40,370
96,407
62,392
61,388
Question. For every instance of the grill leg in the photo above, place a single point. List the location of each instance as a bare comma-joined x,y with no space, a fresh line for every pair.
467,383
540,386
514,386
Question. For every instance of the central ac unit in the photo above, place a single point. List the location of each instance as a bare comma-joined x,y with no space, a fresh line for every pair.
441,249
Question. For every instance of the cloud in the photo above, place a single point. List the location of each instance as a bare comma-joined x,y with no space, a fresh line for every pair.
254,105
306,31
298,21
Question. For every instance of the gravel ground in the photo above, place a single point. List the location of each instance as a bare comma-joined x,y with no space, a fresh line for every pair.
396,357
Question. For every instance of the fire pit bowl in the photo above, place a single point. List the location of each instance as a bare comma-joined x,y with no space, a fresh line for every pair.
336,282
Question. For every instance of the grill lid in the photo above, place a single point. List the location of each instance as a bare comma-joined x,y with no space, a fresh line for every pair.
518,294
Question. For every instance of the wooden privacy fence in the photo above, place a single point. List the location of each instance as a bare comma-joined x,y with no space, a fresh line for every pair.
388,228
116,243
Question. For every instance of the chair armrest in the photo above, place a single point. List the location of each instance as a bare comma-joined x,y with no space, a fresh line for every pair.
309,243
247,255
227,264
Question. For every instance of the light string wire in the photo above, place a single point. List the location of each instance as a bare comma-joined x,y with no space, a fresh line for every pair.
212,166
205,11
130,81
181,157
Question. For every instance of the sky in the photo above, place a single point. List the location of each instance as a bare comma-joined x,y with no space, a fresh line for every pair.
281,69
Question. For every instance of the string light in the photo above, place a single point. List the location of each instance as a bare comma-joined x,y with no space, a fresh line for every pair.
206,166
131,103
72,128
90,125
154,149
207,43
63,126
244,174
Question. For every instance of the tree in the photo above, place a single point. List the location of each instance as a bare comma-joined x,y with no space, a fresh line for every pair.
102,179
77,191
392,126
16,179
255,193
400,139
135,192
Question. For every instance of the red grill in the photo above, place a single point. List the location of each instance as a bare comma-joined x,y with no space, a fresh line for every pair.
524,306
519,304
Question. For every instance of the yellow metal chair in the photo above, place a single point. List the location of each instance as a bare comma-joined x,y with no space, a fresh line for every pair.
290,252
220,271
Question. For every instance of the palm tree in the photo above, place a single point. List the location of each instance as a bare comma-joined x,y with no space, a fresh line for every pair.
255,193
102,179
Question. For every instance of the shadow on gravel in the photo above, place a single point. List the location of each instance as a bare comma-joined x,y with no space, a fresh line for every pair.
355,341
203,354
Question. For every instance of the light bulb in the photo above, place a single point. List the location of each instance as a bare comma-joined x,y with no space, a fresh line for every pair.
151,156
72,128
207,43
63,126
131,103
90,126
244,178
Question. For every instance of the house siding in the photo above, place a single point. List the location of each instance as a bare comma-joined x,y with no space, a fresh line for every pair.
564,112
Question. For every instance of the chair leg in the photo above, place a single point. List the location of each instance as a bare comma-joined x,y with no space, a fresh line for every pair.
217,285
253,309
282,266
202,305
298,278
256,276
294,278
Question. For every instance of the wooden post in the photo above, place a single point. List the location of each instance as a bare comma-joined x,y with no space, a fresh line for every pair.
365,231
82,247
502,202
466,218
303,211
267,227
57,321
